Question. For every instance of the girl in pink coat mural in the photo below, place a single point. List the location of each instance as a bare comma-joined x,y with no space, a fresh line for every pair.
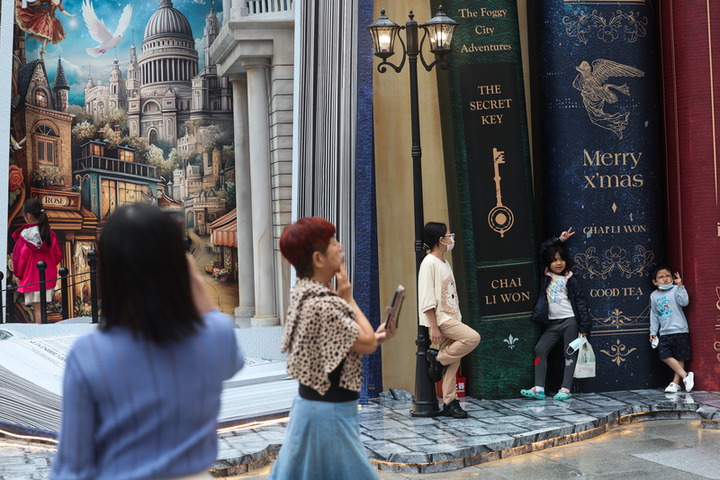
35,241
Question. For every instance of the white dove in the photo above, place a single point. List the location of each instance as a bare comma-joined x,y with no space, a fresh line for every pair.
100,33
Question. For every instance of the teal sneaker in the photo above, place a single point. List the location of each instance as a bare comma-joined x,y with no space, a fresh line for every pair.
532,393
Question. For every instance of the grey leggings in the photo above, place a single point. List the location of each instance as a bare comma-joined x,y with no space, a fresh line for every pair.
563,330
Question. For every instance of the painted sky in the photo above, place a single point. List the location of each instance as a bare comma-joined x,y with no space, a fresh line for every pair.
76,61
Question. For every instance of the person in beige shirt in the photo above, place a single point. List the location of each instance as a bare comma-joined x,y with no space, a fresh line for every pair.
440,312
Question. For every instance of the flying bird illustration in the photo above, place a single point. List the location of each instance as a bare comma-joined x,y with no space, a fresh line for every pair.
595,92
100,33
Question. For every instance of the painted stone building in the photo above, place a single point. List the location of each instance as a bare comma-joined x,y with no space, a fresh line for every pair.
110,178
163,87
47,123
41,126
254,50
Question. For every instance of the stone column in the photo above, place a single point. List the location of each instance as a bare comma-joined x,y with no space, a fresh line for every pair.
259,148
243,201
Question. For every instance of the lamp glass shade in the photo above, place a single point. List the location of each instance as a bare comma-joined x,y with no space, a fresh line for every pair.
440,30
384,32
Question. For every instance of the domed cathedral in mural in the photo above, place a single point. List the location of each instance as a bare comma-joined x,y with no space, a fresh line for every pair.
163,87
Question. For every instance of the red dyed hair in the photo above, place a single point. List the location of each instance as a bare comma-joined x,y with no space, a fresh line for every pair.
301,239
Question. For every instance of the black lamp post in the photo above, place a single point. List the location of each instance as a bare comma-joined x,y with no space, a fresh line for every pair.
439,30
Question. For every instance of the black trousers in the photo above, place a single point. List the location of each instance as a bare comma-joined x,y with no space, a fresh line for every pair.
563,330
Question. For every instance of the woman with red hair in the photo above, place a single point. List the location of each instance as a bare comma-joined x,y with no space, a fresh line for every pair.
325,336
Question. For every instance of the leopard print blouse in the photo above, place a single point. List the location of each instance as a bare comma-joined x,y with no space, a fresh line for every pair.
319,331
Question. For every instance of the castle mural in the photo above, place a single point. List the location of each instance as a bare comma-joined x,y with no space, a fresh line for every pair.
95,125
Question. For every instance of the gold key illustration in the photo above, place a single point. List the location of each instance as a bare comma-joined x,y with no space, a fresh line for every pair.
501,217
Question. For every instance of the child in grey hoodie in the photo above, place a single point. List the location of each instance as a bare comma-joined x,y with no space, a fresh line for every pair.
668,320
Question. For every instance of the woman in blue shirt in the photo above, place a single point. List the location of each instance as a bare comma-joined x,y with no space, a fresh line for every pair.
141,394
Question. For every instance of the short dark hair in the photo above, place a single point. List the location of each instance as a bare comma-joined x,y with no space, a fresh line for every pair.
657,270
301,239
432,233
549,255
34,207
144,275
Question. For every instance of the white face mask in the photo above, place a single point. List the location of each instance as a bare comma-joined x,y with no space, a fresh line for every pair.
451,245
575,344
665,287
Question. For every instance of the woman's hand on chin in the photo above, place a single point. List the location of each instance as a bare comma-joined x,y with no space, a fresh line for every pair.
344,288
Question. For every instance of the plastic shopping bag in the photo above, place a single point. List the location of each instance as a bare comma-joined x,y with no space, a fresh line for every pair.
585,366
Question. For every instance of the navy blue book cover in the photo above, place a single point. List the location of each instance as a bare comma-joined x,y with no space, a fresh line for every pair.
601,157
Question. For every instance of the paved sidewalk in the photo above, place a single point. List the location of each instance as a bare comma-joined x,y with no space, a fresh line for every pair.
396,442
652,450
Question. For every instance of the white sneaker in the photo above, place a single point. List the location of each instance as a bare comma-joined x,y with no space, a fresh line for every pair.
672,388
689,381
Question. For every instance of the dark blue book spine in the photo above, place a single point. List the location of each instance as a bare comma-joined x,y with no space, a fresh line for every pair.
366,280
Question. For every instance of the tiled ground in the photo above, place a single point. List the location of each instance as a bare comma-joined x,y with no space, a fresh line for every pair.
396,442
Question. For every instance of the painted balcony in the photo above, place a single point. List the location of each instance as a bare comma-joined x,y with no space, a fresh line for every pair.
260,7
94,162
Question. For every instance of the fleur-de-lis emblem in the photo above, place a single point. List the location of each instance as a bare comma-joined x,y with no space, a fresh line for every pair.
618,352
511,341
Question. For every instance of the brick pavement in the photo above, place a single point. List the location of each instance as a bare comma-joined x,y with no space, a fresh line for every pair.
397,442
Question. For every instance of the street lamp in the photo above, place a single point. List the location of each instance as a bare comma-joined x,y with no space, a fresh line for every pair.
440,31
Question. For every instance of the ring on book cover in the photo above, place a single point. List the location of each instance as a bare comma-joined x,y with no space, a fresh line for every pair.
501,219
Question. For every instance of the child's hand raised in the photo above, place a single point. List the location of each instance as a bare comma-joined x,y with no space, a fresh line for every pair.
678,280
566,234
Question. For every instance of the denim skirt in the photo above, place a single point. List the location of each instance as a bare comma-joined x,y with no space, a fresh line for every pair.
322,441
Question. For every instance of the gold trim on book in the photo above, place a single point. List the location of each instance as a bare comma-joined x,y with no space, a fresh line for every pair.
603,2
583,26
618,333
712,100
615,259
618,352
677,135
618,319
506,316
716,344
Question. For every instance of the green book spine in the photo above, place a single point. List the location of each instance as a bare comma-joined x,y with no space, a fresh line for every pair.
494,184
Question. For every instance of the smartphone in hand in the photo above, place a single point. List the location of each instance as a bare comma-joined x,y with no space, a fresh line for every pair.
394,308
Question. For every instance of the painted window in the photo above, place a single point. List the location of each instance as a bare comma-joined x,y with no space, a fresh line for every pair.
41,99
116,194
126,155
97,150
46,140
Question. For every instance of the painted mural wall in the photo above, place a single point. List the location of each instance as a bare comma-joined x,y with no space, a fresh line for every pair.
115,103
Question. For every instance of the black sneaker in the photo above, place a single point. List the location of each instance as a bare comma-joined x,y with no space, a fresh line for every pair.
436,369
453,409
